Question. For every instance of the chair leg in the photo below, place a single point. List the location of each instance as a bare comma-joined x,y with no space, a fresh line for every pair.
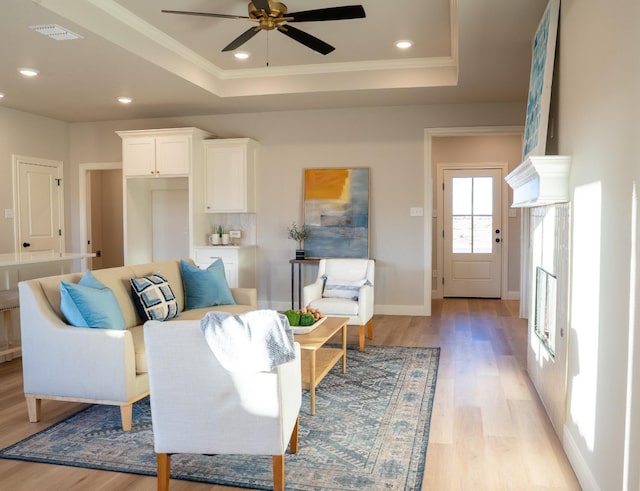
126,415
34,408
278,472
164,471
293,441
361,337
370,328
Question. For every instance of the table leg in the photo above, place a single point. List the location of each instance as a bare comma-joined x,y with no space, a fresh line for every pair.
292,276
312,382
344,348
299,286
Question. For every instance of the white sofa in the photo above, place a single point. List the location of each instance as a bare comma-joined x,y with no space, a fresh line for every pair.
98,366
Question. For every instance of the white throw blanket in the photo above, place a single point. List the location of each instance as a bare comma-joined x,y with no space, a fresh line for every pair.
254,341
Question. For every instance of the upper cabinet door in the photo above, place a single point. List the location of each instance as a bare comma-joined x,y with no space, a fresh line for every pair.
230,175
139,156
173,155
167,153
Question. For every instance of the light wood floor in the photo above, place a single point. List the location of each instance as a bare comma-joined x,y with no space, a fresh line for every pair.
489,430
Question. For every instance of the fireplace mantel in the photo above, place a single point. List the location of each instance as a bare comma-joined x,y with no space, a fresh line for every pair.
540,180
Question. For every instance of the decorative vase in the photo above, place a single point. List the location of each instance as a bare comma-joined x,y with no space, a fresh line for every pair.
215,239
225,239
299,253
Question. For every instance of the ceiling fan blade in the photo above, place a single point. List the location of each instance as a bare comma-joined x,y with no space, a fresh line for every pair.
262,5
307,39
206,14
241,39
331,13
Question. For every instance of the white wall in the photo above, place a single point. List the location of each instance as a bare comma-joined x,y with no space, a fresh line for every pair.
388,140
598,126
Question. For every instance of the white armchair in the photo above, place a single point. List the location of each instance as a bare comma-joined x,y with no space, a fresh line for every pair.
199,407
344,288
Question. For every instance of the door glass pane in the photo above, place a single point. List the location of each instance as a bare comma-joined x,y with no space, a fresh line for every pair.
461,231
482,234
472,214
482,196
461,195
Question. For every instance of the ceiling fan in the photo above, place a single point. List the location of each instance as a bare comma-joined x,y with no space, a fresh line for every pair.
272,15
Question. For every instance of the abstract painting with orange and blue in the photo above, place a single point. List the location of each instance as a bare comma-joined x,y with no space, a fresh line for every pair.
336,211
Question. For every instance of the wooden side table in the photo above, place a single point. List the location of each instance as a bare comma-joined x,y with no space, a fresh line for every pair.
300,263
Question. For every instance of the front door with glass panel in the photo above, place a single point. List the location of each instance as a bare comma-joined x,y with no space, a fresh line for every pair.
472,233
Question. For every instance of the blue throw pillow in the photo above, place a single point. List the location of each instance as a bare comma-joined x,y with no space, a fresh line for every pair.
205,287
89,303
154,298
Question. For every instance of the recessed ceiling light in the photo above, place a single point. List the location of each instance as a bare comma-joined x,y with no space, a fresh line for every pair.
28,72
125,100
241,55
1,95
404,44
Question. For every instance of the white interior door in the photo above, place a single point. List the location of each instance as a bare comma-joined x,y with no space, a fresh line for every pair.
39,205
472,233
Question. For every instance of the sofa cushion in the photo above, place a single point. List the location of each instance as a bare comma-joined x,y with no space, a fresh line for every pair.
337,306
154,298
170,270
205,287
89,303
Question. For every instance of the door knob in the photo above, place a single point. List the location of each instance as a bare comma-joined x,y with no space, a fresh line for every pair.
26,244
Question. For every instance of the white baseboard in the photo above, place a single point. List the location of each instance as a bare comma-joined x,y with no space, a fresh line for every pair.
512,295
403,309
580,466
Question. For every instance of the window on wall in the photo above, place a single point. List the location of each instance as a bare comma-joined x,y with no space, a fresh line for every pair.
472,217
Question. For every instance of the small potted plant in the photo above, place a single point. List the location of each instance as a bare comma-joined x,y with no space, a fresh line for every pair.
216,238
298,234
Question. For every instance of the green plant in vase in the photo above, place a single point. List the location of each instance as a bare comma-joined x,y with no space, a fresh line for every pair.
216,238
299,234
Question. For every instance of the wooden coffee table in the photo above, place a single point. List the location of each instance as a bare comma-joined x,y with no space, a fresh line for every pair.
317,359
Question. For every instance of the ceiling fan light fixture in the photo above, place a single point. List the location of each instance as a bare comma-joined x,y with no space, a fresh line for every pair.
241,55
404,44
28,72
125,100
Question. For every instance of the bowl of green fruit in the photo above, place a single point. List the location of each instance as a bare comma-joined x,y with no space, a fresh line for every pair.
304,320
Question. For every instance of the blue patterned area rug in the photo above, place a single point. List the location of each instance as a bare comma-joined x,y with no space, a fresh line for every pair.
370,431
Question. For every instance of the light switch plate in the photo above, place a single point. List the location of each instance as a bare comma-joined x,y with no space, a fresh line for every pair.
416,211
8,213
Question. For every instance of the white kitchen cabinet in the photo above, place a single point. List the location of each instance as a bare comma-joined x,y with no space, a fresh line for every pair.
230,175
163,172
158,153
239,263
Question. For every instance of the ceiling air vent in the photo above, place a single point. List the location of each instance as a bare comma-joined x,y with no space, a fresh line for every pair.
54,31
